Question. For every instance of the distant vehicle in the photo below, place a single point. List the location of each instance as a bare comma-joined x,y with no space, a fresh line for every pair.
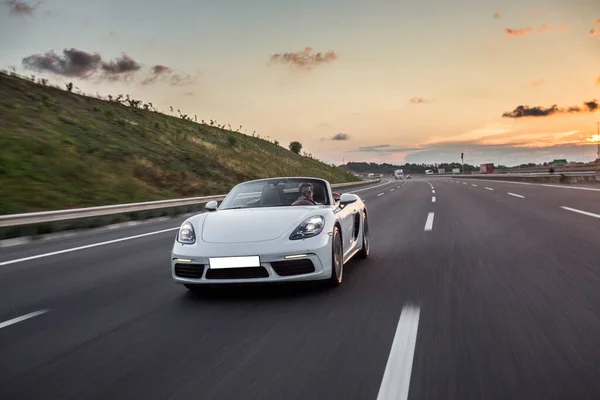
486,168
272,230
399,174
428,172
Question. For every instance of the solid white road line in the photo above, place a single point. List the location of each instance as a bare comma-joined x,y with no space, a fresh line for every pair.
433,199
396,378
89,246
21,318
516,195
429,222
487,188
589,214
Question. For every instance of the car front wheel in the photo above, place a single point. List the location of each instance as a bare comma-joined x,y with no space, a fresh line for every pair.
337,258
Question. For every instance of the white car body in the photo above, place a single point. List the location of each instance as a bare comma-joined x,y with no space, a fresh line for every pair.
253,244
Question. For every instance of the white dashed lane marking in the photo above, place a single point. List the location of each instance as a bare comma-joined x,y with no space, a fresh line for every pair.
589,214
429,222
396,377
21,318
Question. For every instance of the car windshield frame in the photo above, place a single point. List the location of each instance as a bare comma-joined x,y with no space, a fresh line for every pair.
283,191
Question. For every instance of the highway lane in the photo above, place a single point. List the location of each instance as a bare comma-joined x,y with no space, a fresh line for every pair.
508,309
581,197
116,306
513,299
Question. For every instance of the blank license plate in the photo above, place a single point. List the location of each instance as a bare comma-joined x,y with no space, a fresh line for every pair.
234,262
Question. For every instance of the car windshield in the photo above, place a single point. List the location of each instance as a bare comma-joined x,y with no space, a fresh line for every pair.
277,193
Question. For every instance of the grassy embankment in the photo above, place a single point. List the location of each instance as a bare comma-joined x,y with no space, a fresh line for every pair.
63,150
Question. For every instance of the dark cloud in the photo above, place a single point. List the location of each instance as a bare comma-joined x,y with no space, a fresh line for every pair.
384,149
163,73
341,136
305,59
159,69
419,100
81,64
538,111
498,14
20,7
123,65
519,31
72,63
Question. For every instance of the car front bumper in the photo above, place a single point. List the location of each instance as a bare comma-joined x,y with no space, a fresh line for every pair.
280,261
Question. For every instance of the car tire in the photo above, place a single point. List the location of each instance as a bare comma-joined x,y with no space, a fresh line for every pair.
337,258
366,244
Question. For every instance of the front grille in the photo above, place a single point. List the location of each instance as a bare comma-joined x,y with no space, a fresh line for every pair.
193,271
293,267
237,273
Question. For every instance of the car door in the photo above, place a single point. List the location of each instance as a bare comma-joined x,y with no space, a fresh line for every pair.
347,216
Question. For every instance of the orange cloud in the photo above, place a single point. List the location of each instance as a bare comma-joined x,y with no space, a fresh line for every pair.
538,83
498,14
305,59
598,80
542,28
419,100
595,32
519,31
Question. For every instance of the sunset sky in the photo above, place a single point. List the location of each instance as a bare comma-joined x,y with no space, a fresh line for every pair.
390,81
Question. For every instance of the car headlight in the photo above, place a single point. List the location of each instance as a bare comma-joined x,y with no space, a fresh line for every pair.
186,234
310,227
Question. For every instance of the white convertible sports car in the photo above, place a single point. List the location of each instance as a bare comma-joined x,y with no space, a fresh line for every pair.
272,230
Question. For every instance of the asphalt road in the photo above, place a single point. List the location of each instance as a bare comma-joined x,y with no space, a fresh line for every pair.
506,286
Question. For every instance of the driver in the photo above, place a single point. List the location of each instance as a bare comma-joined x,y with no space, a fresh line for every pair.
306,195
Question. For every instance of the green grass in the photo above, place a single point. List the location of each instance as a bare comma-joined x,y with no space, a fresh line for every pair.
62,150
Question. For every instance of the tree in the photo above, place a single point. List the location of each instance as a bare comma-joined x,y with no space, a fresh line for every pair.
295,147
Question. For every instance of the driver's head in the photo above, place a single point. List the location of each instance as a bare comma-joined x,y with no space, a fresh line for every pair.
306,190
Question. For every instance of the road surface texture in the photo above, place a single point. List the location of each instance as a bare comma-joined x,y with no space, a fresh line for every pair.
489,291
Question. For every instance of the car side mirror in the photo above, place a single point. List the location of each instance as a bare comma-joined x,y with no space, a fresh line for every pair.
347,198
211,206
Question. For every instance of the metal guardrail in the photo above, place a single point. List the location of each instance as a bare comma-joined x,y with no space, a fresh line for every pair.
13,220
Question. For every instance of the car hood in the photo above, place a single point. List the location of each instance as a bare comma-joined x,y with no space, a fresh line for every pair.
252,224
